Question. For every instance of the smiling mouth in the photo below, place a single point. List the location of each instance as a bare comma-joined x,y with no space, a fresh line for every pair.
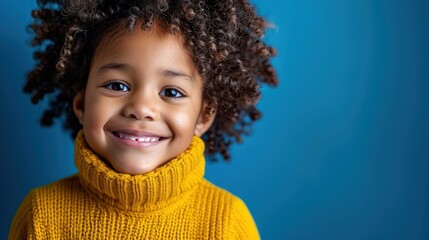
137,138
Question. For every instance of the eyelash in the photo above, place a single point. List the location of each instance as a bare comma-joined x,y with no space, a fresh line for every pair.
110,86
172,91
118,86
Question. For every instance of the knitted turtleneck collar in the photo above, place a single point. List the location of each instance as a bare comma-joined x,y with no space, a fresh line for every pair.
165,186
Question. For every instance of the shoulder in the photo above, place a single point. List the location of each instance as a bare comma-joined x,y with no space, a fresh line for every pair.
56,200
217,193
213,193
38,206
65,186
236,217
57,195
210,188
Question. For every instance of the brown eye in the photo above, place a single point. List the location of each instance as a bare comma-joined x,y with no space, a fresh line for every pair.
171,93
117,86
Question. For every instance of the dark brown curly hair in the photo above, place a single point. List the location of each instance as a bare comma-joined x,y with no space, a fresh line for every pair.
224,38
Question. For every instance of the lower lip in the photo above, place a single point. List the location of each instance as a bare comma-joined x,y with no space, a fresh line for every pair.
134,143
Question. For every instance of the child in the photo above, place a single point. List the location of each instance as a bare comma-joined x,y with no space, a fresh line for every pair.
146,87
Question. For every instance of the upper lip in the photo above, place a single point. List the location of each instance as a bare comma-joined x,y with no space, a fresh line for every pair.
136,133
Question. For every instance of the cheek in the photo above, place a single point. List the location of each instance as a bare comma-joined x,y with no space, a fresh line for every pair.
96,116
94,113
184,122
98,113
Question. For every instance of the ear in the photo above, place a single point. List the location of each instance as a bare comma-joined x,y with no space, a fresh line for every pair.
79,105
205,120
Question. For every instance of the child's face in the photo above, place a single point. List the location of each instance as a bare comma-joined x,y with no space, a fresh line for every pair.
143,101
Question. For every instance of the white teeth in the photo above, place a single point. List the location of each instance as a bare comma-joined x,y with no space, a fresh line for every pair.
137,139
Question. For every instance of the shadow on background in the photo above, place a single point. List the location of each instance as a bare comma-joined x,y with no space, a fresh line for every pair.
342,151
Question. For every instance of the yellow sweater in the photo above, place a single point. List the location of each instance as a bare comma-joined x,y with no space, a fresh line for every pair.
171,202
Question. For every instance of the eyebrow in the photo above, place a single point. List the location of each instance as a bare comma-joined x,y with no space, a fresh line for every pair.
115,66
176,73
124,67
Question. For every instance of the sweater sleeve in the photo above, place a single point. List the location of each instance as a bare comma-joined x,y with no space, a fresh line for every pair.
243,226
21,227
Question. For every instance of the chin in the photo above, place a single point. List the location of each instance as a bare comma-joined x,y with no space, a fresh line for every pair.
134,170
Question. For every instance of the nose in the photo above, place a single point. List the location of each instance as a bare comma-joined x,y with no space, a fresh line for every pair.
141,106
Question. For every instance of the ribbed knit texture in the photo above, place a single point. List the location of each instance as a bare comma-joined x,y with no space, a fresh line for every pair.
172,202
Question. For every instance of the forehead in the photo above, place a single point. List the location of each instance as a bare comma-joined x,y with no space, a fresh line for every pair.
119,43
143,54
119,35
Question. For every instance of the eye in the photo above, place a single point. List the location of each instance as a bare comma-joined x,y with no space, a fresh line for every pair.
171,93
117,86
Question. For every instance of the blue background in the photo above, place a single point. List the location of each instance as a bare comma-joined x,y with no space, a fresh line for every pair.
342,151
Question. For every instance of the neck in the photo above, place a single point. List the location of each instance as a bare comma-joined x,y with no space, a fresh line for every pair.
164,186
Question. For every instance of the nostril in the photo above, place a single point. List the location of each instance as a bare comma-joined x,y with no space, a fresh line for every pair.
140,111
148,118
133,116
129,112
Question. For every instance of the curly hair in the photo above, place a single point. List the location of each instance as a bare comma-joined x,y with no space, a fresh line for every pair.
224,39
